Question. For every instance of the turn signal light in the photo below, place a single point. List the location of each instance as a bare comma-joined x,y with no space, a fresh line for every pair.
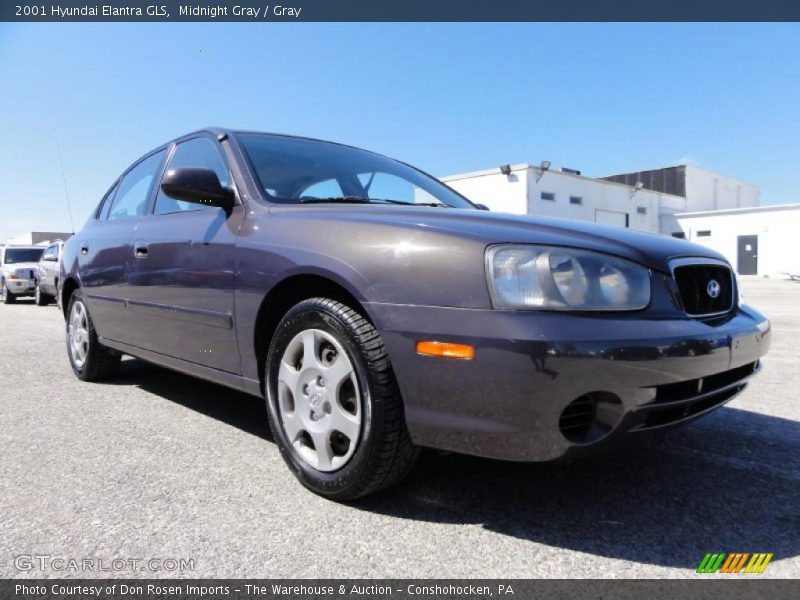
446,350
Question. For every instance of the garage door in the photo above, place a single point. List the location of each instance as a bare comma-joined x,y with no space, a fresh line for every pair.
611,217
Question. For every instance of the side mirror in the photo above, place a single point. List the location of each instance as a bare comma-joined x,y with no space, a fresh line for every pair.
481,207
193,184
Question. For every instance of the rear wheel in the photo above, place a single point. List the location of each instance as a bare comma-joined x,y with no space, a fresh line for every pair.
90,360
334,406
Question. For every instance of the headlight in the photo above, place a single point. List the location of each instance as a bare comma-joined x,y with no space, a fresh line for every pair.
552,278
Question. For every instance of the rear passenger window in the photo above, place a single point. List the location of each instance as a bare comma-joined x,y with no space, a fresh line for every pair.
199,152
105,203
134,189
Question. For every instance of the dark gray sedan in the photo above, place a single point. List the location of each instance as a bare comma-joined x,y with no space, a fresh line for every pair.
378,311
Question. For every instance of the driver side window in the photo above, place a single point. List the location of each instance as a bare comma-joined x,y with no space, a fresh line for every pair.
199,152
51,253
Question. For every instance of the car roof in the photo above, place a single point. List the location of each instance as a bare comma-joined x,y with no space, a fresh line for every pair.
221,131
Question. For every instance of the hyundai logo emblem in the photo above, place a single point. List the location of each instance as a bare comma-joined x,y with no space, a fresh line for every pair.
713,288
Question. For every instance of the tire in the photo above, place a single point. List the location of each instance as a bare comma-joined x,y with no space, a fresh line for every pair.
379,452
41,298
8,297
93,362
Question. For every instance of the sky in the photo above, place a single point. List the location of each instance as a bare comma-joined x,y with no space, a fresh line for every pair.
448,98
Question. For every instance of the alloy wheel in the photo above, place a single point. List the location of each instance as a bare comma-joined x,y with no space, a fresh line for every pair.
78,334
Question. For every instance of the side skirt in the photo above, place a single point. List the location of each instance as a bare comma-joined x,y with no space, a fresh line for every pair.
231,380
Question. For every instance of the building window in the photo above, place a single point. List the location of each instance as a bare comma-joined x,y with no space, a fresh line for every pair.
704,233
679,234
576,200
642,210
550,196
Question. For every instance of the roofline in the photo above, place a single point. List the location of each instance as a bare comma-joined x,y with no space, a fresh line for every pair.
686,165
556,171
738,211
222,131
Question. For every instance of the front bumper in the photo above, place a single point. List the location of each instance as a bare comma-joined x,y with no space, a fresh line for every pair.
510,401
21,287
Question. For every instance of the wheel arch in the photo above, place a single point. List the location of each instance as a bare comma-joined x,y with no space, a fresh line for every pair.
69,287
288,292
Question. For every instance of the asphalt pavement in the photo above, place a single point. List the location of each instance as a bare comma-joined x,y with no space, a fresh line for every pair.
159,467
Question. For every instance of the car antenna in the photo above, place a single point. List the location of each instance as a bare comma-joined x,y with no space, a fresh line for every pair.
64,180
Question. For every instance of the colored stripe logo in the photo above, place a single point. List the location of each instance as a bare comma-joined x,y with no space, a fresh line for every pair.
734,562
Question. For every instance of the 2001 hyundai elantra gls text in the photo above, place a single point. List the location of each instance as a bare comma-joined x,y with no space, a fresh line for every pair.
378,311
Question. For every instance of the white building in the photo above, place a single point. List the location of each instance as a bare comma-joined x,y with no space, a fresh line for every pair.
757,241
646,200
34,238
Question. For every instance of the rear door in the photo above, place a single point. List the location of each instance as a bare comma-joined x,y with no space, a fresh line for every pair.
181,270
105,245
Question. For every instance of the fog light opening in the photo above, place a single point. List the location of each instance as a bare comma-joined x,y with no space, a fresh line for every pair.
590,417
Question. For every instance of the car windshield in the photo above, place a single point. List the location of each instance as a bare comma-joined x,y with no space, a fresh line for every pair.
298,170
23,255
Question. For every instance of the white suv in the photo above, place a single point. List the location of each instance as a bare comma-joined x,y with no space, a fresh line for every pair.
18,267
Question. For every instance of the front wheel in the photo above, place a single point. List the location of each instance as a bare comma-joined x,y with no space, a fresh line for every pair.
333,403
8,297
42,299
90,360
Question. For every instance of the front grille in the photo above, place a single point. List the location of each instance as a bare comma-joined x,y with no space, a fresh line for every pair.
696,287
665,416
683,390
678,401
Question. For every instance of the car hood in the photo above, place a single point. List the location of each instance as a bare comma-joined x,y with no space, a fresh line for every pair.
649,249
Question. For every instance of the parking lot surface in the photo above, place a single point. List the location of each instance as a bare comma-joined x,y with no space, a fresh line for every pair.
157,465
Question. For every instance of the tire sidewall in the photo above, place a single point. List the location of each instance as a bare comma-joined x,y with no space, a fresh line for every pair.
76,297
8,297
317,317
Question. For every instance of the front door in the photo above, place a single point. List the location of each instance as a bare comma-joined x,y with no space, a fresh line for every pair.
181,271
747,263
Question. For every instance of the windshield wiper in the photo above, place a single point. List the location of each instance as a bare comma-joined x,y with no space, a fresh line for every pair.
361,200
405,203
335,199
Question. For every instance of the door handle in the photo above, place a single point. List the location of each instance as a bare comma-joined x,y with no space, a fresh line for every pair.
84,249
140,250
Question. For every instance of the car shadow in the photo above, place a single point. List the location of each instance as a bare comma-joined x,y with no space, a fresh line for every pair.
234,408
727,483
